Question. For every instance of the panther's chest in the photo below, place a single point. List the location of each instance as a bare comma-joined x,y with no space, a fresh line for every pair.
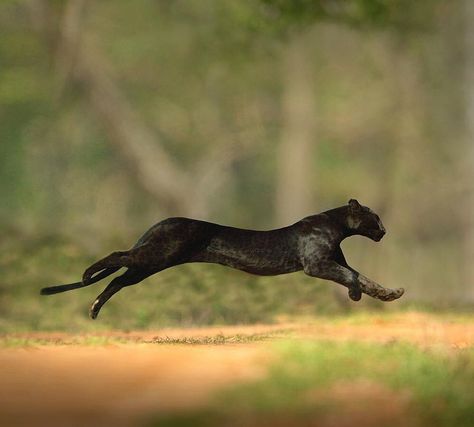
319,243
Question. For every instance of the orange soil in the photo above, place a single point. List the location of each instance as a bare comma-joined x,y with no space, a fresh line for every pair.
121,384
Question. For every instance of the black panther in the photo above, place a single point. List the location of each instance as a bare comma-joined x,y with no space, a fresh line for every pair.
311,244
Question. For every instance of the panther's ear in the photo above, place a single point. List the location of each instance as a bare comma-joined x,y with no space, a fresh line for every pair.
354,205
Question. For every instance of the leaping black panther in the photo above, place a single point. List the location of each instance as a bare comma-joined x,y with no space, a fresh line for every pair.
311,245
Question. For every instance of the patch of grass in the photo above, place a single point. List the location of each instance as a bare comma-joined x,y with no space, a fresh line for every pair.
87,340
431,388
192,294
100,340
219,339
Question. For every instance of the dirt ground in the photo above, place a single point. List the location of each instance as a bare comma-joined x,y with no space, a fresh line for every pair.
64,380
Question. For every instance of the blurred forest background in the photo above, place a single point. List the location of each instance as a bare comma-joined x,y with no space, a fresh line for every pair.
252,113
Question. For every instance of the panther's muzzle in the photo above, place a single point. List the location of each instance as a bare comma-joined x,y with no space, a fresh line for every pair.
378,234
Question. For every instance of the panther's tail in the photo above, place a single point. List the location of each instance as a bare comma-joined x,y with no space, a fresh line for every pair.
50,290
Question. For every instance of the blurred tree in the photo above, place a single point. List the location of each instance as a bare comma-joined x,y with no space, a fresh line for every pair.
298,147
469,108
297,150
144,150
177,189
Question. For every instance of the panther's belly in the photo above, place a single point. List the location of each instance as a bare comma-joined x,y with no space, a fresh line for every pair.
255,255
260,267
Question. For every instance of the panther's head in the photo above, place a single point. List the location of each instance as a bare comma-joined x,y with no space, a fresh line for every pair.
362,220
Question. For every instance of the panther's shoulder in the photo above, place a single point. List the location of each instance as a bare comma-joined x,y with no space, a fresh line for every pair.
317,220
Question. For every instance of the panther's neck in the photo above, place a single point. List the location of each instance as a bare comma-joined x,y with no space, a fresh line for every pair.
344,221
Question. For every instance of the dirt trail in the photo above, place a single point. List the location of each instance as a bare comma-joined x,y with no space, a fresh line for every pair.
121,383
71,385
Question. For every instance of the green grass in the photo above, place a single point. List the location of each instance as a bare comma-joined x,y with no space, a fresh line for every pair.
9,341
439,385
188,295
219,339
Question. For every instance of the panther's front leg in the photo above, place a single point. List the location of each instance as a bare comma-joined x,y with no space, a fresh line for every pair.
331,270
355,293
375,290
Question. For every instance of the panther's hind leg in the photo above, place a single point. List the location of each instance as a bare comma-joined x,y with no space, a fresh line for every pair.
114,260
130,277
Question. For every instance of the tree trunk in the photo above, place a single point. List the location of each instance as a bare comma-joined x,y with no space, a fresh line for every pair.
469,106
178,190
296,149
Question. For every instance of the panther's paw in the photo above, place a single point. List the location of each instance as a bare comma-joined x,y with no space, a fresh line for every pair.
355,294
94,310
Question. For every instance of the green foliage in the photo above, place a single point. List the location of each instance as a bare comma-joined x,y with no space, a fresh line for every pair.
382,14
